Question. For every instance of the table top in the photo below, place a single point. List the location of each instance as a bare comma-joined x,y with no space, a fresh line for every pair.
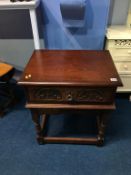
7,4
70,68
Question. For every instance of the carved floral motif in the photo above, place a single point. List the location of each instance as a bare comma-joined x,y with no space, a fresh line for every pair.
47,93
90,95
123,43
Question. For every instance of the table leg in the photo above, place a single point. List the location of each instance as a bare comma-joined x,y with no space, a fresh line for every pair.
37,122
102,123
41,138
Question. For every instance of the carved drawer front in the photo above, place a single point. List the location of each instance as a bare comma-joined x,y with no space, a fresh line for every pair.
70,95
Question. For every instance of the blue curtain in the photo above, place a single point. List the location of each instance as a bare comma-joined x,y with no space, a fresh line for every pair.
89,36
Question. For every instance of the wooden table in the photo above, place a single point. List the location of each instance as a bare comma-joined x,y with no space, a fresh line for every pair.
64,81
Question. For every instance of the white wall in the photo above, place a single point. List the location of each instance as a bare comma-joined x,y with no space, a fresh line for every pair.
118,12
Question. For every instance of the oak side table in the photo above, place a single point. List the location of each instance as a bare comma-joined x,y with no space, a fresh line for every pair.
70,80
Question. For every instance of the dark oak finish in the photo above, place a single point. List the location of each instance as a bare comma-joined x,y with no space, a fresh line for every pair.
75,95
65,80
70,68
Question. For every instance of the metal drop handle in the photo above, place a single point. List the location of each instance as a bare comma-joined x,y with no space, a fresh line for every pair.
69,97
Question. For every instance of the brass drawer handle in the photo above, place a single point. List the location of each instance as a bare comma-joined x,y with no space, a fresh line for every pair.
69,97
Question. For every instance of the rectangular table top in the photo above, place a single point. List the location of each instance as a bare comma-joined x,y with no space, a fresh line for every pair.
71,68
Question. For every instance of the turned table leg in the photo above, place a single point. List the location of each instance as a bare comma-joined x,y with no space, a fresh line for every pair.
40,121
102,123
37,123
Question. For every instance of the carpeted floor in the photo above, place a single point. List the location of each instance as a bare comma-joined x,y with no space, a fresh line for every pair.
21,155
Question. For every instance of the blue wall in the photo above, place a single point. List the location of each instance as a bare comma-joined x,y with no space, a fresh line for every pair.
117,16
91,36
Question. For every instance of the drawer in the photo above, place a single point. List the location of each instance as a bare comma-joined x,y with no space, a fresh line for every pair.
120,52
121,58
70,95
126,80
123,67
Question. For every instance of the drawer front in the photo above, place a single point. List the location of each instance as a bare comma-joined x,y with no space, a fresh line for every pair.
126,80
70,95
123,67
121,58
119,49
120,52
